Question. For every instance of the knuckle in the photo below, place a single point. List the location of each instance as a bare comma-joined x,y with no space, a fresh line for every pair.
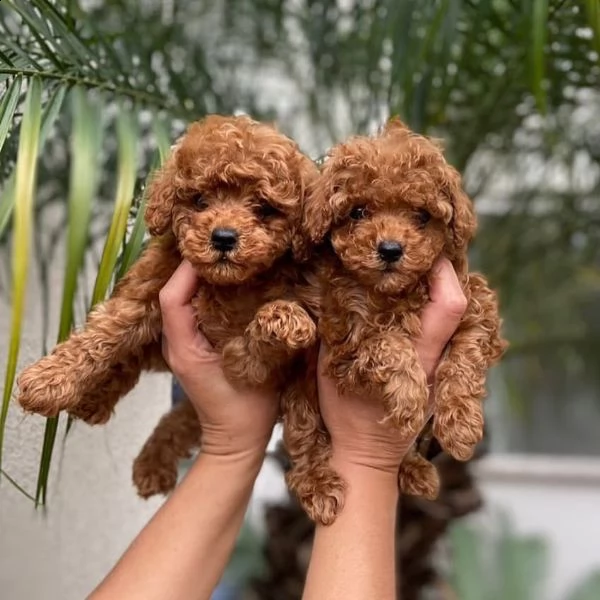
456,305
165,299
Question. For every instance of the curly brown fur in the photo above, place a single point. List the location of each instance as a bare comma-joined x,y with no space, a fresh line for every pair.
386,208
177,434
229,173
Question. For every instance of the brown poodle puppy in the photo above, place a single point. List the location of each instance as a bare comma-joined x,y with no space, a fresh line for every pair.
386,208
229,200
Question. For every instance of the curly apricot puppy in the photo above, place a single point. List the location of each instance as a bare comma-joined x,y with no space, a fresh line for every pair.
386,208
229,200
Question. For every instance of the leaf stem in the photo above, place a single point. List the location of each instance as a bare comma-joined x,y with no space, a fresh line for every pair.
88,82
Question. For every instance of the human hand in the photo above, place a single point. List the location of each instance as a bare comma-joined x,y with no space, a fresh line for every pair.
354,423
233,422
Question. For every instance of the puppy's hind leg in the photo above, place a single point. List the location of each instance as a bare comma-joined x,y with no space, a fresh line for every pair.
319,489
461,375
177,434
418,477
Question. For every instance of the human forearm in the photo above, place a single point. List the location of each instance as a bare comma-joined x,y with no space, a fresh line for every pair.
353,558
183,551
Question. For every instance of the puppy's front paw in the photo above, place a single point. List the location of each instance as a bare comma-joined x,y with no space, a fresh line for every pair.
152,477
283,323
418,477
47,387
458,426
242,368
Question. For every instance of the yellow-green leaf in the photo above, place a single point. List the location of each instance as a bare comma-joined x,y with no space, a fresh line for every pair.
133,246
127,135
51,110
84,176
161,137
25,181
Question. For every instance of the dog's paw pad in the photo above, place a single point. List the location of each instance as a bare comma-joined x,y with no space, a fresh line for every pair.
152,480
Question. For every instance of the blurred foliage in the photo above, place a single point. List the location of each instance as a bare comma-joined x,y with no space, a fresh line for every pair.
511,85
495,563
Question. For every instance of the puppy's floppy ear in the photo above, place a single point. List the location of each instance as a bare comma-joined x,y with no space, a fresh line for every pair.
316,216
317,213
464,221
161,198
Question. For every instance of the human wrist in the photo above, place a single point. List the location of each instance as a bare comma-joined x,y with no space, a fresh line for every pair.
250,458
358,471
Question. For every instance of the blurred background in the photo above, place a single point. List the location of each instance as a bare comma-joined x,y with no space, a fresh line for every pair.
92,95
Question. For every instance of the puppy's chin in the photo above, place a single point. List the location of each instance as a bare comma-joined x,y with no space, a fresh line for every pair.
391,283
387,281
217,269
225,272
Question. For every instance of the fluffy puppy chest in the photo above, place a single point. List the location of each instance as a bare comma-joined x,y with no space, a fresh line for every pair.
351,312
224,312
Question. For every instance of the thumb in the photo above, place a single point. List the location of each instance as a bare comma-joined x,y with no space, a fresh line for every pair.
178,318
442,315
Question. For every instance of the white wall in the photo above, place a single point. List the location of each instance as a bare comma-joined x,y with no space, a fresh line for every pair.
93,512
556,498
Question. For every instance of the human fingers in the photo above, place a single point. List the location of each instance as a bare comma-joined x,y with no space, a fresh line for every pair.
442,315
178,320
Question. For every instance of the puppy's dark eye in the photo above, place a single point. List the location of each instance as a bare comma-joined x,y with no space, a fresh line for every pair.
358,212
265,210
199,202
423,217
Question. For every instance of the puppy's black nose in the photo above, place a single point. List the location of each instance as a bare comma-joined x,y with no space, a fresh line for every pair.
390,251
224,239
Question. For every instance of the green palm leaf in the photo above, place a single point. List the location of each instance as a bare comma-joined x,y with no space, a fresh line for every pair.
84,176
133,246
8,105
25,180
127,137
51,111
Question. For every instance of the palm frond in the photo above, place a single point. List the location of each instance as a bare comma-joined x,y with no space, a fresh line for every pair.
85,149
127,136
8,105
25,181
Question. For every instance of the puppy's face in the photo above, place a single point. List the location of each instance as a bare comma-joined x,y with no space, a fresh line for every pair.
392,205
232,195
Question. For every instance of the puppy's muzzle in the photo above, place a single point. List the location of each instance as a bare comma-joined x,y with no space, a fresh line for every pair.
224,239
390,251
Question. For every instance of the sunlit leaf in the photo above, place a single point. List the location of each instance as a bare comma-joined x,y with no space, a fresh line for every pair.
127,136
49,115
161,137
84,177
25,181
